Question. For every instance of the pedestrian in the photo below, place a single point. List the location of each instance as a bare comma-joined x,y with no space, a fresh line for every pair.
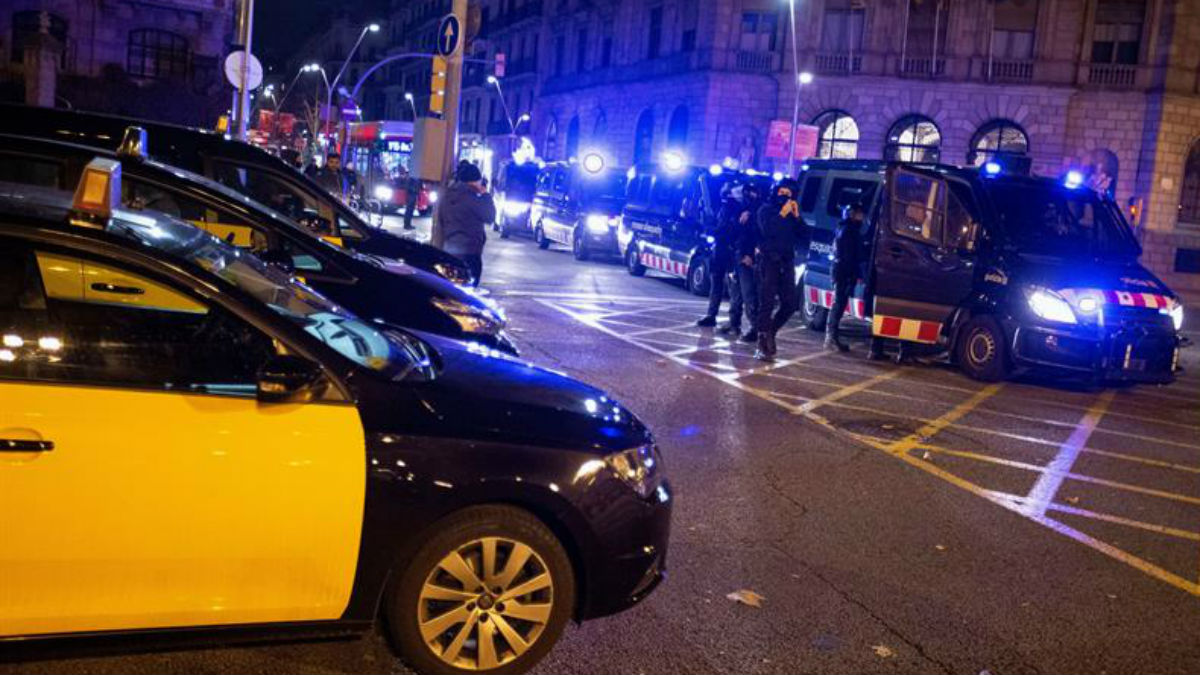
781,231
412,189
720,259
849,265
743,286
331,177
465,213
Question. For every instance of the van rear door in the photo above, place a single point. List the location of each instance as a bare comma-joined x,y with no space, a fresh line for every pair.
924,256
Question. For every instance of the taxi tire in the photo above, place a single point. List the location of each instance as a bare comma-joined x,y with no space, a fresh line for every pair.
632,262
981,350
451,533
539,235
579,245
698,279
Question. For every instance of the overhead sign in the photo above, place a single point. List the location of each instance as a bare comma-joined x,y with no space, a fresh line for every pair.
449,32
234,69
779,139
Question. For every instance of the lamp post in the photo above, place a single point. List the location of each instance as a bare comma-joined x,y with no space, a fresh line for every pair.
369,28
288,91
801,78
411,104
495,81
318,68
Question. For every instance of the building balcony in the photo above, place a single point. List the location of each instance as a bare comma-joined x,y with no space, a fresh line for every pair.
1112,75
754,62
837,64
922,66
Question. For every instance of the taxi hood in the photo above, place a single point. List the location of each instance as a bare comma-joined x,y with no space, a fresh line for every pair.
481,394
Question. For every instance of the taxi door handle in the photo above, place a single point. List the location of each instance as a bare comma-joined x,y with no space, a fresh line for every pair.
119,290
16,445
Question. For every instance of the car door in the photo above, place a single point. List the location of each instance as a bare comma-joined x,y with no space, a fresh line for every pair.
146,486
924,257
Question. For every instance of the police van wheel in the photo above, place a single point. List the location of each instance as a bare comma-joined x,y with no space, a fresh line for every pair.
486,577
632,262
698,281
815,316
981,351
539,236
579,245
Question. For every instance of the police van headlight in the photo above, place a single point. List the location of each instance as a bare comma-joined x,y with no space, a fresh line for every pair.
639,468
515,209
1175,311
384,193
1048,305
599,223
471,319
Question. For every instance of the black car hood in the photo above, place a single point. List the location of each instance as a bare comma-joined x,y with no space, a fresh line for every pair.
483,395
1104,275
412,252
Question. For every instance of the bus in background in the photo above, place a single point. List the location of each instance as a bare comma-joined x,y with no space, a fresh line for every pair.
381,154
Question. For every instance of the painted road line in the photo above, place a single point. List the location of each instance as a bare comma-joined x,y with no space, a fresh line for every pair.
1046,488
935,426
1128,522
848,390
558,295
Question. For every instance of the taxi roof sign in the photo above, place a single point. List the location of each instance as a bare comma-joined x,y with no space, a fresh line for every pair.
135,144
98,193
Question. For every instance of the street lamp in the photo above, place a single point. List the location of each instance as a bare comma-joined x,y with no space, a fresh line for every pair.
369,28
523,118
800,78
495,81
409,97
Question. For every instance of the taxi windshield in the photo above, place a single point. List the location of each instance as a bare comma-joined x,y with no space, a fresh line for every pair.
1060,222
387,352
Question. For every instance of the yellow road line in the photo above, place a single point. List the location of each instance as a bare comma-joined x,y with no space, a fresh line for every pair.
935,426
848,390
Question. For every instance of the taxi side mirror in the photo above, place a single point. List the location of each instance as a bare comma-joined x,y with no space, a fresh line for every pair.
290,379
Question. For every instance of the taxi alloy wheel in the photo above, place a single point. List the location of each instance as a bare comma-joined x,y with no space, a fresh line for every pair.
981,350
579,245
632,262
490,592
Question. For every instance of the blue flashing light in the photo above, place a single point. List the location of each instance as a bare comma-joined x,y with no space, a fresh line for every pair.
673,162
992,168
593,163
715,169
1074,179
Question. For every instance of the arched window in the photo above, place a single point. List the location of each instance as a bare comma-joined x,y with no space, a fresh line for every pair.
913,138
677,128
573,137
158,54
643,137
997,138
600,128
550,148
838,133
1189,199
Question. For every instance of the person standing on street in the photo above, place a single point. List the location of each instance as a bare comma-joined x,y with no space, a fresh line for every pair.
412,188
849,265
465,213
720,261
331,177
743,286
781,231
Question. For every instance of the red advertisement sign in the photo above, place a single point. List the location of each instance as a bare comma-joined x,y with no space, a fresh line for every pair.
779,139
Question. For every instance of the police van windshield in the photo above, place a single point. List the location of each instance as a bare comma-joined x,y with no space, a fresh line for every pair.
606,187
390,353
520,181
1056,221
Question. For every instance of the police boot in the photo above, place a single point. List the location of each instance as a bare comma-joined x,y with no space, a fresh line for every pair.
707,322
771,346
832,343
902,355
875,353
764,351
750,336
727,328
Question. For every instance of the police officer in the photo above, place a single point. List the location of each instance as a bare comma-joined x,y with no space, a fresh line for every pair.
781,231
720,261
849,265
743,286
412,189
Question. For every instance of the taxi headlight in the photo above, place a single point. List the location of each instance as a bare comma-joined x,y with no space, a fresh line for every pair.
599,223
1049,305
452,273
469,318
638,468
1175,311
515,209
384,193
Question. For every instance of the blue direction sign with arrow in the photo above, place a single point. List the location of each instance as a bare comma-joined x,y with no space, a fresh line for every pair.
449,32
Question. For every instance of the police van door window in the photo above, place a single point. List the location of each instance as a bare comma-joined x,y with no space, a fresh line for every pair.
918,209
962,223
847,191
810,193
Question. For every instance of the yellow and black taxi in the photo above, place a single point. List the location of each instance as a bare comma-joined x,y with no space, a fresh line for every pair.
192,441
1000,271
367,285
578,204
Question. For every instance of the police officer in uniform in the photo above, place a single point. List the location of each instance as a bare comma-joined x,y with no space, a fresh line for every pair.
743,286
721,261
849,265
781,231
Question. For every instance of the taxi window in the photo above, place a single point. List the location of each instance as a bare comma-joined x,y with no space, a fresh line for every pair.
918,208
139,194
846,191
266,189
810,192
76,320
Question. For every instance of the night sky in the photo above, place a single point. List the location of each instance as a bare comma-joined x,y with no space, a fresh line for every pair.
281,26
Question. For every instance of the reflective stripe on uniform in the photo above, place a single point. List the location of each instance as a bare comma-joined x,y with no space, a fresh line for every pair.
911,330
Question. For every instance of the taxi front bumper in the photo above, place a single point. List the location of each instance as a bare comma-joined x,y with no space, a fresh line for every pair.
1140,353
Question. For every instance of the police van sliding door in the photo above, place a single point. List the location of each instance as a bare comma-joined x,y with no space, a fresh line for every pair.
924,262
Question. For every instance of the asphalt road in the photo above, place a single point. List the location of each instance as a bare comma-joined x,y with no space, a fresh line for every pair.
893,518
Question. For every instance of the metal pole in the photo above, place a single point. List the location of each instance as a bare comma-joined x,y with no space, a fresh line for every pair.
341,71
245,34
512,127
791,163
454,64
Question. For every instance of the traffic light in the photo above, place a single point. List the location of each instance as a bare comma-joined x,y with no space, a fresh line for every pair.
437,86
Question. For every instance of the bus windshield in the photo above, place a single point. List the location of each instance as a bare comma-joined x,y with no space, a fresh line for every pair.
1057,221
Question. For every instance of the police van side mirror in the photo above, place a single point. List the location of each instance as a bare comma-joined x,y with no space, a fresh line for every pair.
290,379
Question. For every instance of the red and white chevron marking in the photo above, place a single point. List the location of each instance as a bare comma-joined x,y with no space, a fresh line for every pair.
911,330
662,264
824,298
1136,299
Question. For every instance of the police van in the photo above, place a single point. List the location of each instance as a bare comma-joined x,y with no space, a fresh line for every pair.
514,196
669,213
578,204
1001,271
